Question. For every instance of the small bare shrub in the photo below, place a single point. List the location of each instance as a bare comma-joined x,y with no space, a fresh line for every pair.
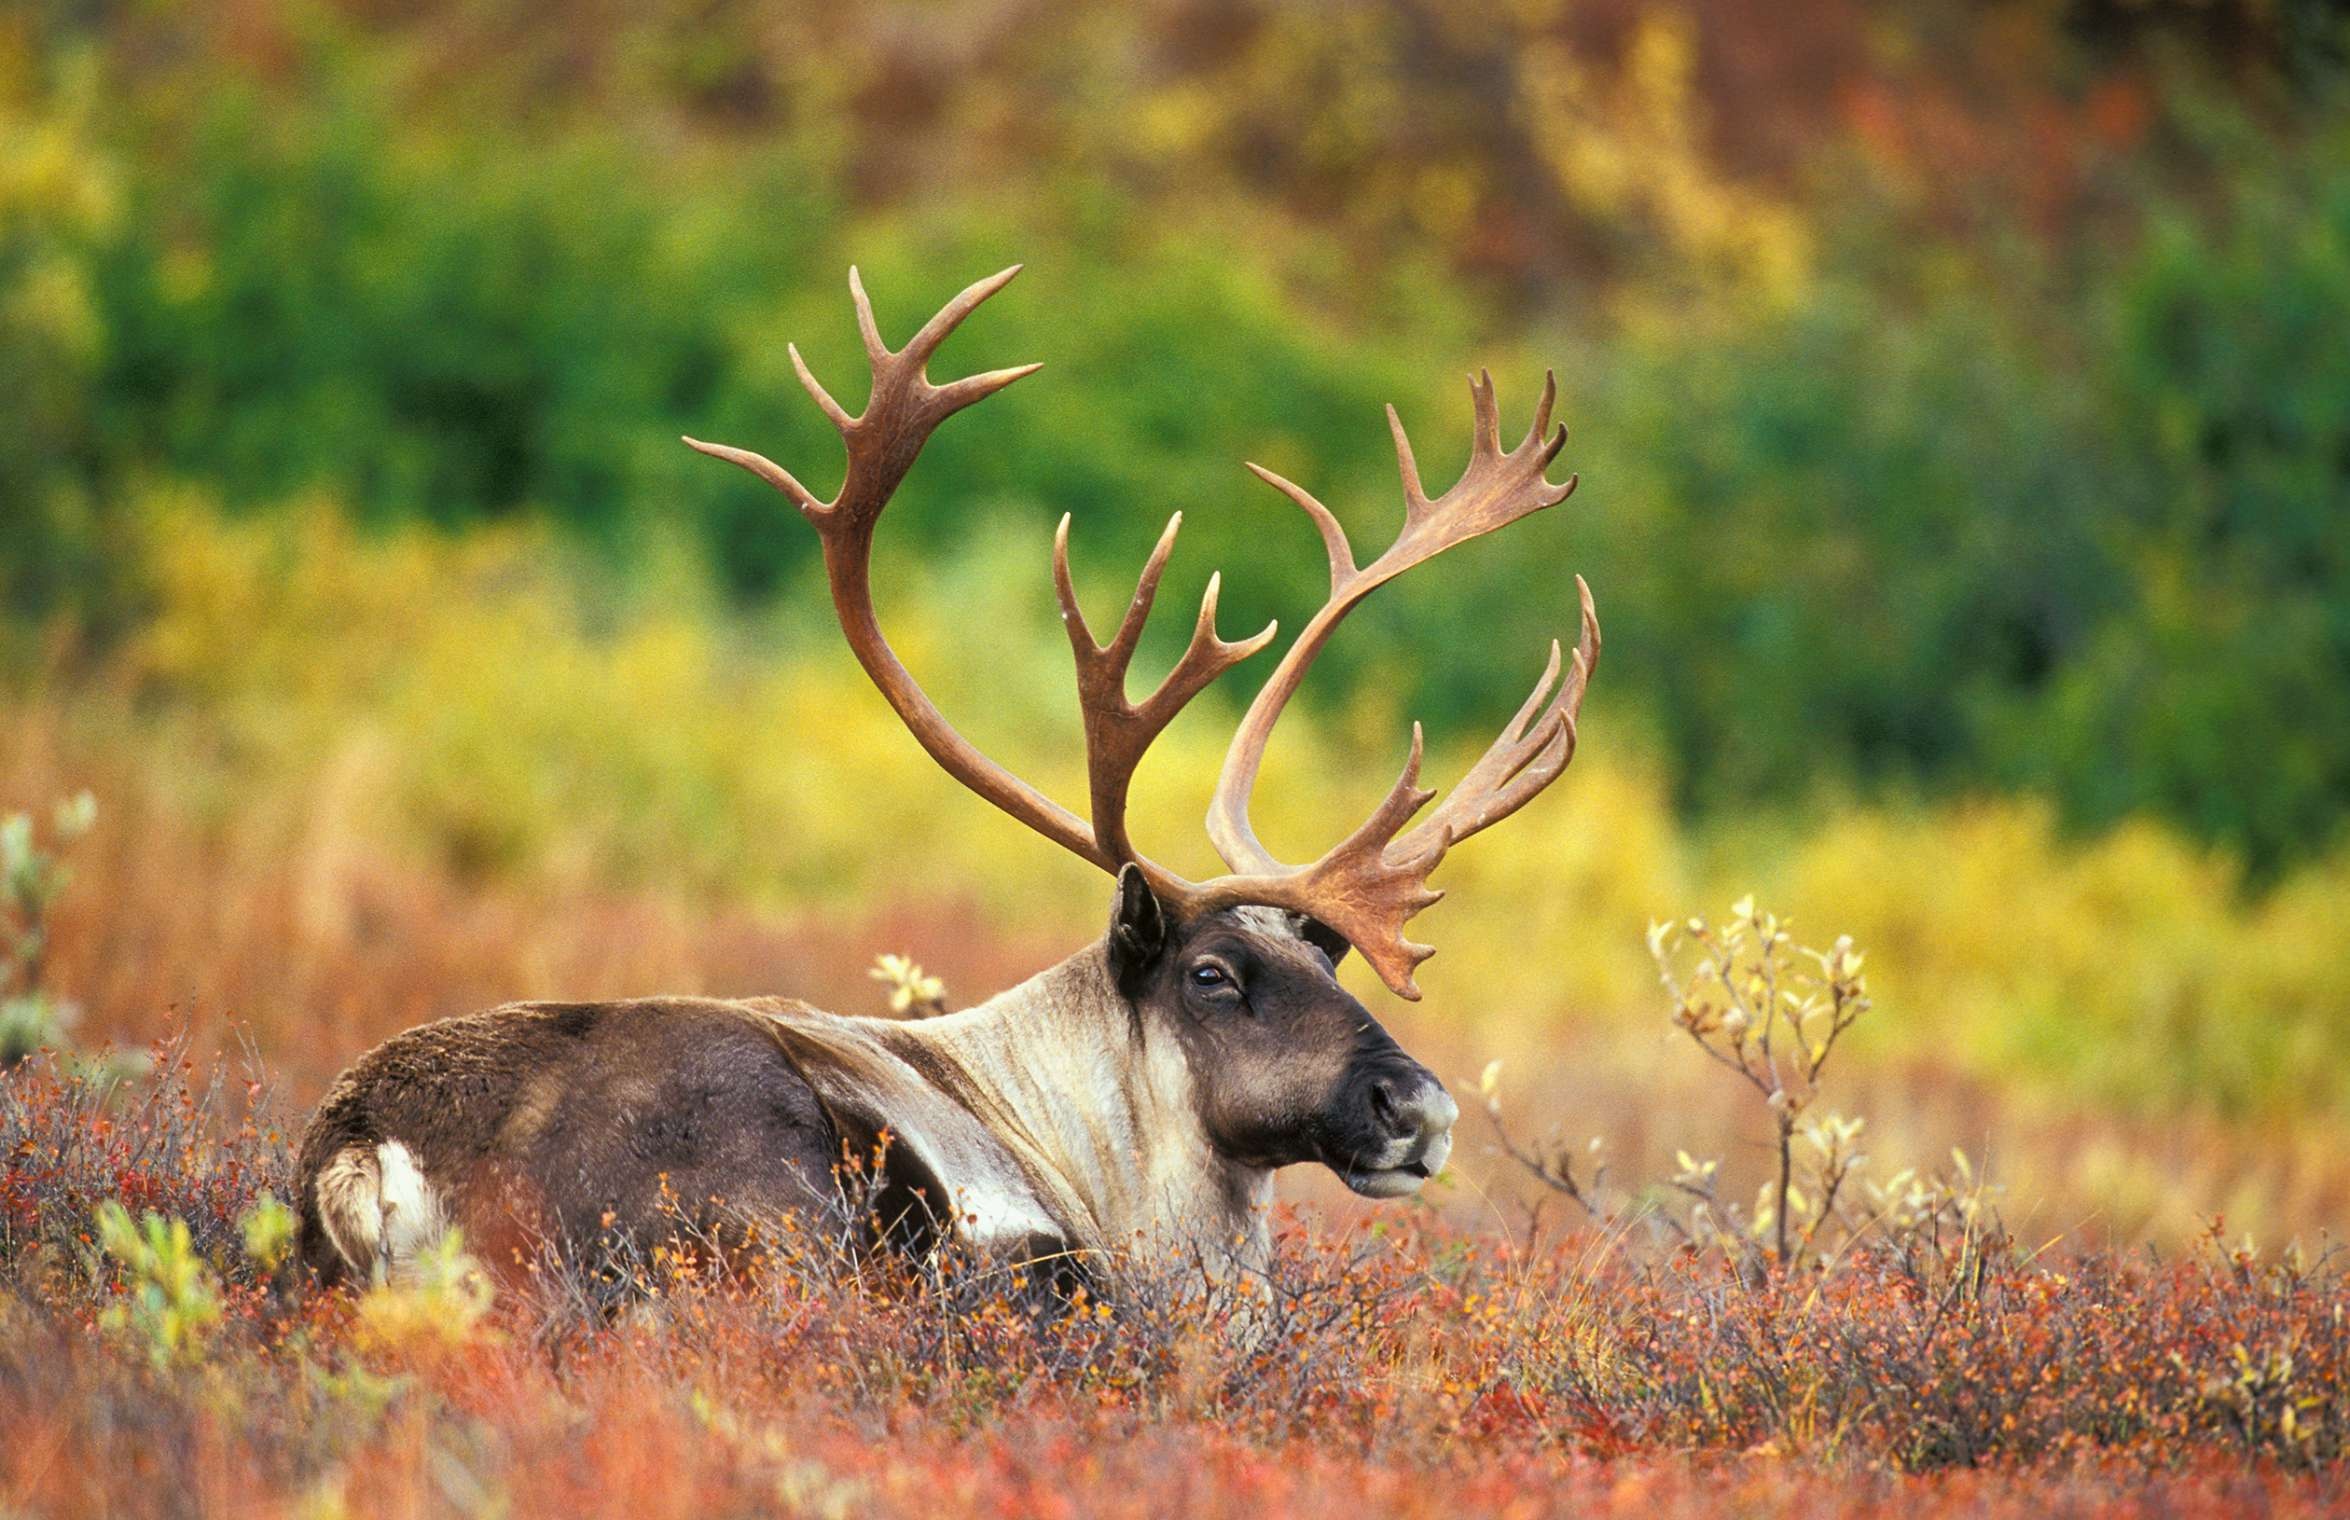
1771,1013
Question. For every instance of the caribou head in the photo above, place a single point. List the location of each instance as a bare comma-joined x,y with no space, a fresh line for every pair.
1147,1087
1285,1065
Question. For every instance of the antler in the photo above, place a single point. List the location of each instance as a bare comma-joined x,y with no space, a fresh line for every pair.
1372,882
903,411
1117,731
1376,879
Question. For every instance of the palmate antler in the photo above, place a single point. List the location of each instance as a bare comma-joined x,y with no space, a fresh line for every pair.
1371,883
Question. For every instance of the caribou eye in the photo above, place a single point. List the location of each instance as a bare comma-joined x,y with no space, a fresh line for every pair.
1208,978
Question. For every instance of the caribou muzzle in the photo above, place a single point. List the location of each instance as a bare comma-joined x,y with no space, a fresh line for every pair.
1400,1131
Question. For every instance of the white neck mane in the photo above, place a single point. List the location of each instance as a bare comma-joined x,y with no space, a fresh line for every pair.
1050,1111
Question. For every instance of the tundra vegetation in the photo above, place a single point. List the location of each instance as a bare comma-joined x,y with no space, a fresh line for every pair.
1959,399
1851,1344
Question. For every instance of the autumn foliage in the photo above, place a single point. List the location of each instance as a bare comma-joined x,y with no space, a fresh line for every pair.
1410,1368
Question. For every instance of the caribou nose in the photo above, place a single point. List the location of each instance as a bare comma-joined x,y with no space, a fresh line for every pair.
1413,1108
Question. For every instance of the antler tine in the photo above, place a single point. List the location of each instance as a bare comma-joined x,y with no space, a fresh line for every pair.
768,470
1342,554
925,342
1415,495
1138,610
868,328
1118,731
815,388
1528,755
958,394
1485,437
1550,395
1205,658
1521,741
909,363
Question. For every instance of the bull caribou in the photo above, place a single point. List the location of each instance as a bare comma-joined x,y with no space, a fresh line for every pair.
1137,1096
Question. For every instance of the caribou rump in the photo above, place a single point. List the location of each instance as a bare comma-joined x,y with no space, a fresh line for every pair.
1133,1099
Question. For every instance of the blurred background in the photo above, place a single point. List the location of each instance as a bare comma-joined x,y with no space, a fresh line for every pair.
1961,393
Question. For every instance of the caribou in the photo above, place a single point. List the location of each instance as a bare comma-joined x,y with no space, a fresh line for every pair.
1136,1097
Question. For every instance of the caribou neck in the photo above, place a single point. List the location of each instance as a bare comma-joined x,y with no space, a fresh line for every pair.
1099,1112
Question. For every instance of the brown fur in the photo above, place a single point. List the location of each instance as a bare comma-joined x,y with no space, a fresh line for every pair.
564,1119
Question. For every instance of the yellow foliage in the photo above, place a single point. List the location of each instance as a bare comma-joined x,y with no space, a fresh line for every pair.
1629,147
56,187
438,1304
2129,960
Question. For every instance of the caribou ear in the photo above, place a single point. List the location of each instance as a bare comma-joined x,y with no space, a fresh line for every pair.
1138,927
1323,938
